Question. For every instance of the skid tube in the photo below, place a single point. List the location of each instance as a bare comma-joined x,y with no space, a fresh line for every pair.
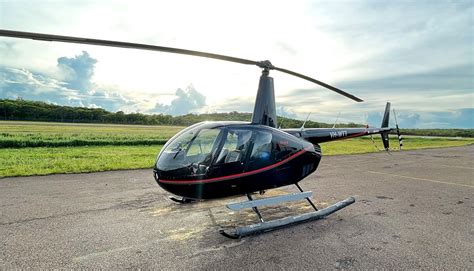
267,226
181,200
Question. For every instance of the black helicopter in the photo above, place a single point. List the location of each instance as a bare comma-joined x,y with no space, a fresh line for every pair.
211,160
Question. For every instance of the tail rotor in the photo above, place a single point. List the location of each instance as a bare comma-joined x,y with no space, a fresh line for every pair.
385,130
400,139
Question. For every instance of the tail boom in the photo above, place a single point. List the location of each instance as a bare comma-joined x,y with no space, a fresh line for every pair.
320,135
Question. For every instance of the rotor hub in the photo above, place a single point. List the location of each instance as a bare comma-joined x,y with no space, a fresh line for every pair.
266,65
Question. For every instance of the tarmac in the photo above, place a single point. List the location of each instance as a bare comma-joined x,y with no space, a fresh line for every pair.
413,210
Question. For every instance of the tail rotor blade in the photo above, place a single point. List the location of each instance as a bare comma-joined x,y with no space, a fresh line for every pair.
400,139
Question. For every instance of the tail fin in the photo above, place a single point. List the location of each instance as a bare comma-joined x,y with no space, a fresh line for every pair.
385,122
386,116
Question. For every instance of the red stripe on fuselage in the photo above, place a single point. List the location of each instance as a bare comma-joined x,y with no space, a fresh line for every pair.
234,176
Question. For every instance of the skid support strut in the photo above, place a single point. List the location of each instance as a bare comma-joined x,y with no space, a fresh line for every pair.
308,199
255,209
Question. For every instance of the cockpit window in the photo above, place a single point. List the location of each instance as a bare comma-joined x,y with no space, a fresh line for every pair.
261,155
203,142
182,142
193,149
235,146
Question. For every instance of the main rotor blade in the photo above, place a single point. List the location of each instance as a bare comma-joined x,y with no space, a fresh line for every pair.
335,89
111,43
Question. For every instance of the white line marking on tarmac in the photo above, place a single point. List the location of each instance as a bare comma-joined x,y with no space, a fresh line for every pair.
420,179
458,167
101,253
217,248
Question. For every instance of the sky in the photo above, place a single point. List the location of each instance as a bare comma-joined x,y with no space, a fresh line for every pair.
419,55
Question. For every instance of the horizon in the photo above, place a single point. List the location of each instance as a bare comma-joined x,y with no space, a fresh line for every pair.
199,114
403,52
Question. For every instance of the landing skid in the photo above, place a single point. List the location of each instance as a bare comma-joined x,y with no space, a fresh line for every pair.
181,200
266,226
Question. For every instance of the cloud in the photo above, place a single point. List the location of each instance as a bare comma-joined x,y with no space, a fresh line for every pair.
78,71
240,104
285,48
187,101
21,83
75,88
392,38
461,118
459,77
285,112
405,120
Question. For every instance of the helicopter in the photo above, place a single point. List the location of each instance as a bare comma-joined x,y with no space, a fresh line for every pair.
213,160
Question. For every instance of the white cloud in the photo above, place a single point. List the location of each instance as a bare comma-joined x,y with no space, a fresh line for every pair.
186,101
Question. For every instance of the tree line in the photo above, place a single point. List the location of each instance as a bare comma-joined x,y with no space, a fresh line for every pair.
25,110
20,109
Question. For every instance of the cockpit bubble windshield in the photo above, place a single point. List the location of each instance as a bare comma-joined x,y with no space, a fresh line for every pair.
193,149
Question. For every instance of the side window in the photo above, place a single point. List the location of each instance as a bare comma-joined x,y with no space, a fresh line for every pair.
261,155
283,147
235,146
262,146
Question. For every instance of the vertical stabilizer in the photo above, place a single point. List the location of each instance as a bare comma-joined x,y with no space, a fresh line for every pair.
386,116
385,122
264,111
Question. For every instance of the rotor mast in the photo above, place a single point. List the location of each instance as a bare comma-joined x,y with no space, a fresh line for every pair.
264,111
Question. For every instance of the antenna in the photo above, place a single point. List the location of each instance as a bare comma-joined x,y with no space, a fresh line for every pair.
281,123
395,115
302,126
334,126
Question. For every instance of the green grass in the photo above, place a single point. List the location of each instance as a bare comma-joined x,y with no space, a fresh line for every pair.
43,161
43,134
365,144
113,147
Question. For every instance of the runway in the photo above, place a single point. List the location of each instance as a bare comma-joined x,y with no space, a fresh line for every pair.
414,209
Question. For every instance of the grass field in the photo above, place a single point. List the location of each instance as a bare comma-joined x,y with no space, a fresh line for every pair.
43,161
365,144
44,134
34,148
